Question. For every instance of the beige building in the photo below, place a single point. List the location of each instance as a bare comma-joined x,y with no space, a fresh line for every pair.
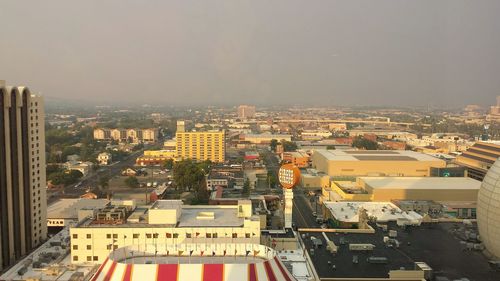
127,135
201,146
265,138
246,111
341,163
381,189
23,201
166,222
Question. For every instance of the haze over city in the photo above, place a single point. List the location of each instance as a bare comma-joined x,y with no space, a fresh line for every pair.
443,53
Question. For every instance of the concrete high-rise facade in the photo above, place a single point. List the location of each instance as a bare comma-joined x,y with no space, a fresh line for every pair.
23,201
201,146
246,111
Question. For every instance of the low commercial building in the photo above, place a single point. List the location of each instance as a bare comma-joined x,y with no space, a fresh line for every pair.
341,163
166,222
347,214
298,158
155,157
265,138
64,211
82,167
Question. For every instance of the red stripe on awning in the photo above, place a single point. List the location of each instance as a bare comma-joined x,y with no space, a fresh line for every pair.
252,274
99,270
127,276
109,274
167,272
213,272
269,271
283,271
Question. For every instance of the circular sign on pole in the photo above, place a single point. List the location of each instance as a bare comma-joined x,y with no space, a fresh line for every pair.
289,176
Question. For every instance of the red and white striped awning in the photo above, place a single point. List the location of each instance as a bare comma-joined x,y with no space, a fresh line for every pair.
267,270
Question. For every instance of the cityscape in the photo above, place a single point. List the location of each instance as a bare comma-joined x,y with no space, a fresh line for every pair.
220,160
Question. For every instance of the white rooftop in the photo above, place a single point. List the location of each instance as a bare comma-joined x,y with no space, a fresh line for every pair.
202,217
454,183
383,211
68,208
375,155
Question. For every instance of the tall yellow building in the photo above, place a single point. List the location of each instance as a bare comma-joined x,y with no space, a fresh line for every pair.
201,145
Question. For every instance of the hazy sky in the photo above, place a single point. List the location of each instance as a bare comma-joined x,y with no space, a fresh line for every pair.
276,51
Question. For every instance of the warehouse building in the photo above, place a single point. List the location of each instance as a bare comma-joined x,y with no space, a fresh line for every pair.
392,163
379,189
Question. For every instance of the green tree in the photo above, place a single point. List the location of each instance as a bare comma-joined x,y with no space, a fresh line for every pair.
104,182
132,181
168,164
188,174
246,187
274,144
363,143
271,179
289,145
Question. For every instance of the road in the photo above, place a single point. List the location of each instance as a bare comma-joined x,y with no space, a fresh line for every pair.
91,181
302,212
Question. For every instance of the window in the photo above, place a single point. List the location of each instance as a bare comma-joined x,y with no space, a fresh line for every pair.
188,235
115,235
235,235
89,236
148,235
108,247
155,235
209,235
135,235
89,247
108,236
75,258
214,235
96,258
247,235
75,236
89,258
75,247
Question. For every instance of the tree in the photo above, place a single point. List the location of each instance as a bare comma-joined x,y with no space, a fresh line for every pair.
104,182
363,143
289,145
168,164
65,177
132,182
246,187
330,147
188,174
271,179
274,144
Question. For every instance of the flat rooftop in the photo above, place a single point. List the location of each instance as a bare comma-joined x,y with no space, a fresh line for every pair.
451,183
68,208
383,211
221,217
438,244
375,155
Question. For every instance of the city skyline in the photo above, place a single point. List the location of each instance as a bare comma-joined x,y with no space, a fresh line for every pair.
443,53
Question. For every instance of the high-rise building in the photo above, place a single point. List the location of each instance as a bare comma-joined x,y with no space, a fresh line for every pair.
23,200
201,146
495,110
181,126
246,111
